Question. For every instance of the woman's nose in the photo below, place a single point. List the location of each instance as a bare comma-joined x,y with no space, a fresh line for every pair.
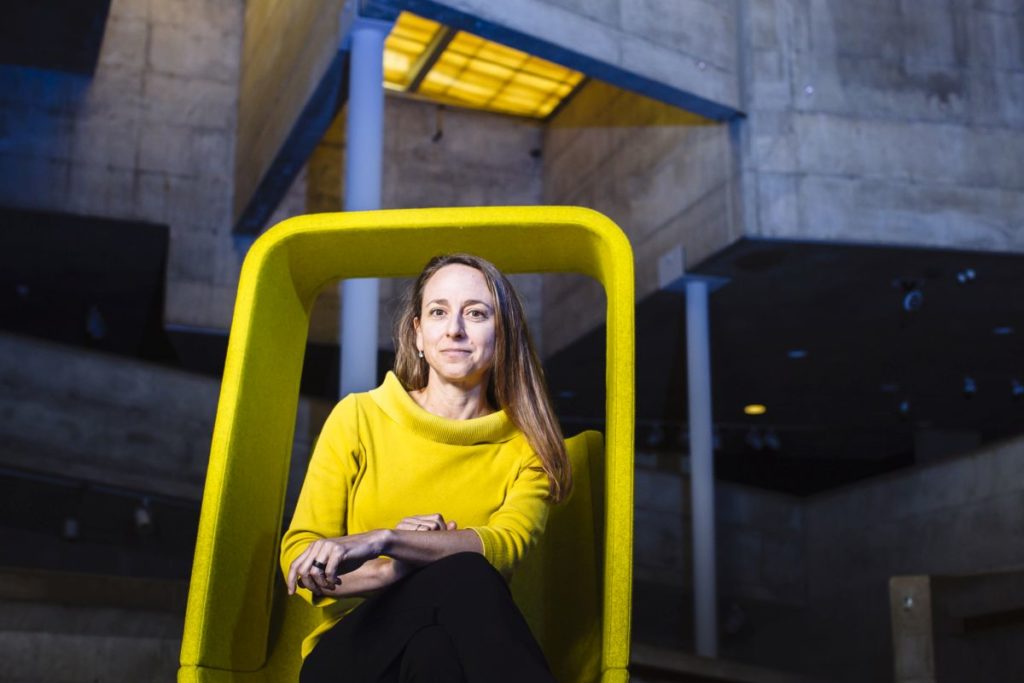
455,328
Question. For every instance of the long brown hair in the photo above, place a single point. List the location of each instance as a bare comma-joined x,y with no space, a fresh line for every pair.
516,384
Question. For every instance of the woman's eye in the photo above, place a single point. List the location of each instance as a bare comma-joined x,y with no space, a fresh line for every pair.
476,314
435,312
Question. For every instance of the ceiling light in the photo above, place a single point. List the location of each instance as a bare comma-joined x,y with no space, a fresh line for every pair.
1004,329
755,409
427,58
905,408
796,354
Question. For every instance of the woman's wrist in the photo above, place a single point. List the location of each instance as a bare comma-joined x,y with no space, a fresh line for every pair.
385,541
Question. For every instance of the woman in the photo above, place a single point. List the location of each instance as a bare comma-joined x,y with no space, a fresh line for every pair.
423,495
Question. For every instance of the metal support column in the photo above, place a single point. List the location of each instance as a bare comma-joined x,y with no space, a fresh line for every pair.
364,150
702,478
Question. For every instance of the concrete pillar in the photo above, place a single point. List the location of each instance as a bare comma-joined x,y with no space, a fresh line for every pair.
364,140
702,475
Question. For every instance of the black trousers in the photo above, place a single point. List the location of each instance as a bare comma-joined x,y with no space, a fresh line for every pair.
453,620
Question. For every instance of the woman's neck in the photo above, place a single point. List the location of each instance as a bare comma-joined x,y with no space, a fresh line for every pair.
453,401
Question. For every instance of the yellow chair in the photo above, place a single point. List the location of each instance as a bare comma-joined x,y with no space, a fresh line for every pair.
574,588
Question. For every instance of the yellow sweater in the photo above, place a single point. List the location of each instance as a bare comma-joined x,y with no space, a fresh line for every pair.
380,457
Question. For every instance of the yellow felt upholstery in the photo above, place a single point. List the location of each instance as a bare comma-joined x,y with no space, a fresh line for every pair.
574,588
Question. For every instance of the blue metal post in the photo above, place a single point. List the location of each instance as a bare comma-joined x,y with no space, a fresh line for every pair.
702,477
364,151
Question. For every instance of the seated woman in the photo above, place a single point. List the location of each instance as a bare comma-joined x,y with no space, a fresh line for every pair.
423,495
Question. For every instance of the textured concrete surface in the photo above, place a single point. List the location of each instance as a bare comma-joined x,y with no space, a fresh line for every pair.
687,44
803,583
149,137
666,177
116,421
884,122
287,48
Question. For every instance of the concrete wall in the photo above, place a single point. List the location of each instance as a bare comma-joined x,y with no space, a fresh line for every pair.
116,421
666,177
885,122
149,137
803,583
689,45
287,49
761,537
954,517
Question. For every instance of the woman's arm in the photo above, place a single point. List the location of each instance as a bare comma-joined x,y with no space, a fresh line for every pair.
343,555
371,577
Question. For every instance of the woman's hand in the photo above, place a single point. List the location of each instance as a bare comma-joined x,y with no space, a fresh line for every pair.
434,522
318,567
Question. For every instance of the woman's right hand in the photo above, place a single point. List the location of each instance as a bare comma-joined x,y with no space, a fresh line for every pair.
318,567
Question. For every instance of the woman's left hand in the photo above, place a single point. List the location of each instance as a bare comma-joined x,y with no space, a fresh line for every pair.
318,567
432,522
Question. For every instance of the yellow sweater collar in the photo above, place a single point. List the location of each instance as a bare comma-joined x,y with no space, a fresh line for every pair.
392,398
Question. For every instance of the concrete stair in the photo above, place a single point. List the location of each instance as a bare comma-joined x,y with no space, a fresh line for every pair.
63,627
650,664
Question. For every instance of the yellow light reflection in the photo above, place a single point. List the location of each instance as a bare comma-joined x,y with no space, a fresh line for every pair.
755,409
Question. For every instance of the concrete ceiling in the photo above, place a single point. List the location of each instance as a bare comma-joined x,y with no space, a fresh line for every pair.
854,383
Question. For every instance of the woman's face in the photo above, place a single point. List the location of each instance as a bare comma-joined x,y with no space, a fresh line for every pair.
455,328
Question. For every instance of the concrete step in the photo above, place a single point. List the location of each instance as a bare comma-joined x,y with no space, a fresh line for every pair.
649,664
63,627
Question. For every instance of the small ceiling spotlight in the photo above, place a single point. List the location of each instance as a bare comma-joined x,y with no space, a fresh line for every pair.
755,409
1016,389
966,275
970,386
913,297
905,408
913,300
796,354
1002,330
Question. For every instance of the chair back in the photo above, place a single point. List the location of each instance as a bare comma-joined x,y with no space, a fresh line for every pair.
238,624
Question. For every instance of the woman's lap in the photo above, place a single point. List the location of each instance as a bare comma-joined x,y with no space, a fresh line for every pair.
461,597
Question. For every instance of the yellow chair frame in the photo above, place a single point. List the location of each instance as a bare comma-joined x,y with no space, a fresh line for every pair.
237,608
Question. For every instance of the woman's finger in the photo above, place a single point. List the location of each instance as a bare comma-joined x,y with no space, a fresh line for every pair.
294,578
306,565
434,522
409,524
333,562
320,568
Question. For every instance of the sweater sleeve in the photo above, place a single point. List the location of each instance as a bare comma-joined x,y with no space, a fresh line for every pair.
517,525
322,507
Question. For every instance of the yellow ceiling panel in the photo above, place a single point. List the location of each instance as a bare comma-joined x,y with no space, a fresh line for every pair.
460,68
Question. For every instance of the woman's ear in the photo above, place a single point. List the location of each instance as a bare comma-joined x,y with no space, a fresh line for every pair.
419,334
